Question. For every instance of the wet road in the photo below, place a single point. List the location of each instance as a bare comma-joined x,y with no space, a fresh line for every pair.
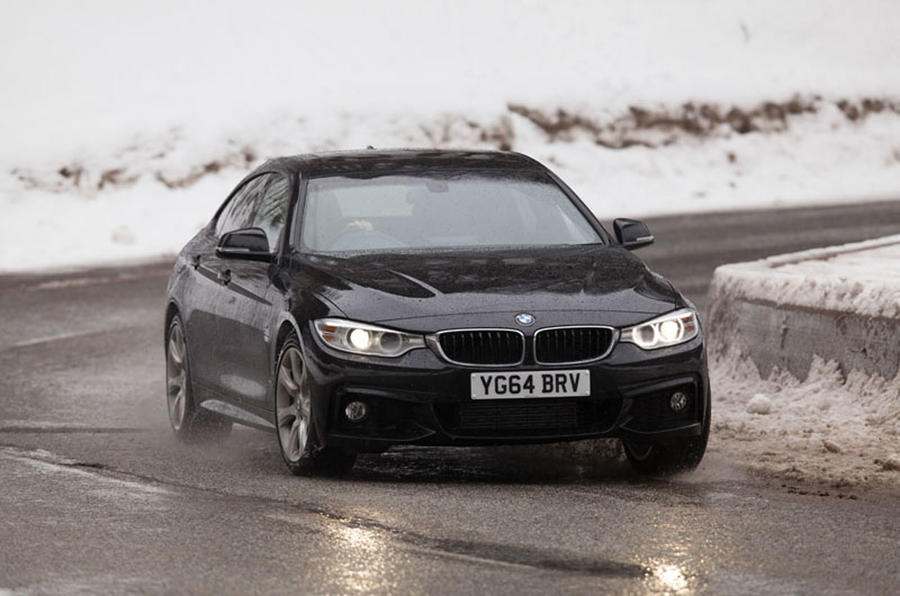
96,496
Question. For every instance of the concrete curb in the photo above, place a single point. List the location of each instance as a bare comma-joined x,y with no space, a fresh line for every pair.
765,312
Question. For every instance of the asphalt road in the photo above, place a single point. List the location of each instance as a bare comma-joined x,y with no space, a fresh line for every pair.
97,497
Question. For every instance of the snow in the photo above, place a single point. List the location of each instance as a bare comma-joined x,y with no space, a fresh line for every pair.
96,71
891,463
831,446
830,428
759,404
44,229
862,277
838,425
109,105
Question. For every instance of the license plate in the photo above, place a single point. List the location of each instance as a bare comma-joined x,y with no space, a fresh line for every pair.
542,383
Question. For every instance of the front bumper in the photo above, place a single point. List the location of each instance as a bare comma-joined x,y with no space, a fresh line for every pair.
422,400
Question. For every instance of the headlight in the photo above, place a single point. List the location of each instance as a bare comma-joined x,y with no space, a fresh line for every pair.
668,330
365,339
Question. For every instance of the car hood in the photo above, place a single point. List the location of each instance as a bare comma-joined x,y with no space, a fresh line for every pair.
466,288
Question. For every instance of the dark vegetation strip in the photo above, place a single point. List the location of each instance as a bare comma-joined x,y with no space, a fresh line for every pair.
638,126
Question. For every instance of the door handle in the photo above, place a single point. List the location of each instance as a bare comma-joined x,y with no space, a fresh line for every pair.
224,276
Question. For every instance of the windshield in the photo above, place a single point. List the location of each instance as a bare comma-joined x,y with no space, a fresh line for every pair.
390,212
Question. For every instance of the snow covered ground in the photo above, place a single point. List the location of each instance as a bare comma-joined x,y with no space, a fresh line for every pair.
838,424
123,127
844,430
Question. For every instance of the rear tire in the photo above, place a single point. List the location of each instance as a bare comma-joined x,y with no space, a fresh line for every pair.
189,423
664,459
294,430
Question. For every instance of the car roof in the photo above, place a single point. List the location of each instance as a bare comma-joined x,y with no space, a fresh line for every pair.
399,160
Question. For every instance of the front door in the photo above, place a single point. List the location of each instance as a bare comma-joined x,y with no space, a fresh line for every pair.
210,339
253,303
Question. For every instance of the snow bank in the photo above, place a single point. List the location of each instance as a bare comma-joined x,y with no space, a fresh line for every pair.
833,427
41,229
804,362
145,199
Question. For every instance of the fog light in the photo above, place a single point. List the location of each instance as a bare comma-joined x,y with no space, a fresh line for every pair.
356,411
678,401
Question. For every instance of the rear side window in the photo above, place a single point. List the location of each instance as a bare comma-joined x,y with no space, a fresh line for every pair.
239,211
271,213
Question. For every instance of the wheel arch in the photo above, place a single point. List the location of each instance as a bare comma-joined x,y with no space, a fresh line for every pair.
287,324
171,310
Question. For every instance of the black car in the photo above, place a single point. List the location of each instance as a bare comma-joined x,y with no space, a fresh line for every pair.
357,300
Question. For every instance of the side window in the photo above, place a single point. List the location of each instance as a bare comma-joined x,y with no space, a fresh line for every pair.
239,211
272,211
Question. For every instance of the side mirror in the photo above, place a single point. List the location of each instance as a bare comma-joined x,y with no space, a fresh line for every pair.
632,234
251,244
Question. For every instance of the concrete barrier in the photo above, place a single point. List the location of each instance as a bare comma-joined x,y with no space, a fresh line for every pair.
840,303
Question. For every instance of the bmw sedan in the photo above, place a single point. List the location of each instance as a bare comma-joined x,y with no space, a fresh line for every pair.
354,301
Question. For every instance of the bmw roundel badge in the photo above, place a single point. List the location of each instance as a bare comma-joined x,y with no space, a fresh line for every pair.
524,318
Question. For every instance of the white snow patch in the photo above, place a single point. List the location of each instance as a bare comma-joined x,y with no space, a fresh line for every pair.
759,404
42,229
827,427
122,235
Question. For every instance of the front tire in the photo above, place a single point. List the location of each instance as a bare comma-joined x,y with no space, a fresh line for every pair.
300,449
189,423
682,455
